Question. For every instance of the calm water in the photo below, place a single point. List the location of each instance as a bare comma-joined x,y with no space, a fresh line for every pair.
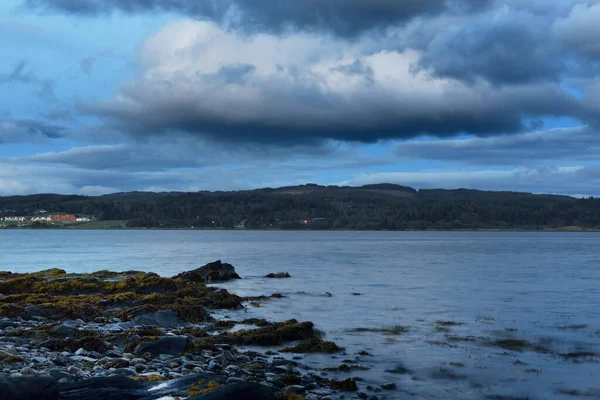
539,287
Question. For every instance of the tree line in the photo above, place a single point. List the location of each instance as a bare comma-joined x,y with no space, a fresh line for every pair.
376,207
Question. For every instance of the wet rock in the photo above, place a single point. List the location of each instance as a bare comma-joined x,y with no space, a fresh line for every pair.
125,371
104,388
9,324
295,389
59,374
166,318
29,388
73,370
389,386
278,275
28,371
140,367
172,345
213,272
114,354
63,330
399,369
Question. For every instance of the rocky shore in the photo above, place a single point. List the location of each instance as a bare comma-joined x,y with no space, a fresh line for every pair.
137,335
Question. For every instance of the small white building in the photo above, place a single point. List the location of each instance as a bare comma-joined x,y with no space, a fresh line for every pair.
14,219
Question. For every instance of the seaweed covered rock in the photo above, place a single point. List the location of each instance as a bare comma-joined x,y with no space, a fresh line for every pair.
145,298
313,345
216,271
272,335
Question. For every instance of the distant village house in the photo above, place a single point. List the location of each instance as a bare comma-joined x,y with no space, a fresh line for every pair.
63,218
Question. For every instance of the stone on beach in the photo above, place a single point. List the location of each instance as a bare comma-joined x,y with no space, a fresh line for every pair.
173,345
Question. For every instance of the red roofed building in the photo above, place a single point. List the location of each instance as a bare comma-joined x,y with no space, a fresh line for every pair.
63,218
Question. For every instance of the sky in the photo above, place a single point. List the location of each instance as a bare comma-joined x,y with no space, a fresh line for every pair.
102,96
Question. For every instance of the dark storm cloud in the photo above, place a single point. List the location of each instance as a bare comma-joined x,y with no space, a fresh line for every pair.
126,157
505,48
343,17
27,130
581,144
302,113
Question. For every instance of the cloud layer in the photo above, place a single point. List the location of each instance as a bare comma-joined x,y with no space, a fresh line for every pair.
235,94
203,80
342,17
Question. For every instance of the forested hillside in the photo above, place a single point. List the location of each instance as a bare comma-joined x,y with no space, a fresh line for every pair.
383,206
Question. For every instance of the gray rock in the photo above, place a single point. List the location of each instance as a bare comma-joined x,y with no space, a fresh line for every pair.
73,370
81,352
166,318
213,365
296,389
235,379
59,374
63,330
14,340
173,345
94,354
114,354
83,358
9,324
125,371
28,371
140,367
61,360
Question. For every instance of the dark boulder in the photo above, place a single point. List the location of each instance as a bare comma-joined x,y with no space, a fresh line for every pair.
279,275
63,330
239,391
173,345
116,387
213,272
28,388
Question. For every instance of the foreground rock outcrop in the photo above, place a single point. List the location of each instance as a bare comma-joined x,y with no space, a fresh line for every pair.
136,335
213,272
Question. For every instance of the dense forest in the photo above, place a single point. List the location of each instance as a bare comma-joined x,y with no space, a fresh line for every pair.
383,206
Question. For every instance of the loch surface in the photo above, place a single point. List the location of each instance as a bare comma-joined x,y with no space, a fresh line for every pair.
486,313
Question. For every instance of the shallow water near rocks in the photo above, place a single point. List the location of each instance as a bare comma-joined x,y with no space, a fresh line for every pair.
468,315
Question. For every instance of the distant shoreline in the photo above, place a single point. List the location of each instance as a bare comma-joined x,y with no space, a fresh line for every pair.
80,228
